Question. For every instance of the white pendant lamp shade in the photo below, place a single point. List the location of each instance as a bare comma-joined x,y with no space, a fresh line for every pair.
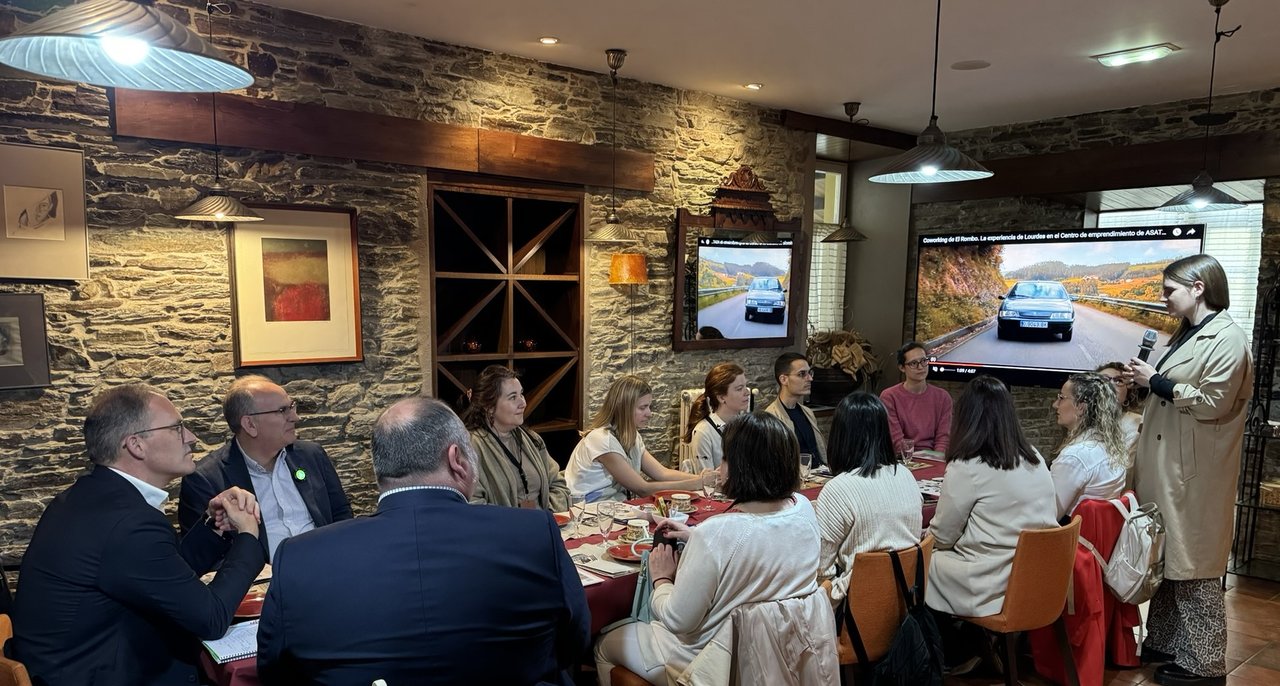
123,44
932,161
217,206
1201,197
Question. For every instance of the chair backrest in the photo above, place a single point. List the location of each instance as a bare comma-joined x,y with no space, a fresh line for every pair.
6,629
1040,577
875,602
784,641
12,672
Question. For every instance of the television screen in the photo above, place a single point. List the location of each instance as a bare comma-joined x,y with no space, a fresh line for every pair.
744,289
1031,307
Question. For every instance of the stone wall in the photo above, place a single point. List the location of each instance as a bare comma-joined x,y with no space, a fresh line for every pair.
156,307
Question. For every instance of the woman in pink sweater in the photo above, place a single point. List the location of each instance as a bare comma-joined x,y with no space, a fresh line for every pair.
918,412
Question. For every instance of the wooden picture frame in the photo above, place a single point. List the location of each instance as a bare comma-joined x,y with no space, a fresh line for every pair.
43,234
295,287
24,347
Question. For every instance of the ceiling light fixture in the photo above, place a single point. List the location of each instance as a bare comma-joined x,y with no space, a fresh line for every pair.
1146,53
753,86
217,206
932,160
123,44
1202,196
613,231
846,233
548,40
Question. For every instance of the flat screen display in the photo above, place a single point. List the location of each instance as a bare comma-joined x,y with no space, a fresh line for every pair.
744,289
1031,307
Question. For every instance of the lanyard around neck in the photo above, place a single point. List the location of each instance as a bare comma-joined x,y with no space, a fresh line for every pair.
515,461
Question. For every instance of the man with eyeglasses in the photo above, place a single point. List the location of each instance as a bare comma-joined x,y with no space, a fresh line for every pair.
918,412
294,481
795,381
109,594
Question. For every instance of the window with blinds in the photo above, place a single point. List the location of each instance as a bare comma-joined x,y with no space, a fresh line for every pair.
827,260
1234,237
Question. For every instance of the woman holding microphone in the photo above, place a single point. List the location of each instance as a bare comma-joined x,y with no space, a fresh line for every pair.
1188,460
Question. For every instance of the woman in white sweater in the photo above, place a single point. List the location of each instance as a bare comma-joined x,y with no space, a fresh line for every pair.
1093,459
873,502
764,548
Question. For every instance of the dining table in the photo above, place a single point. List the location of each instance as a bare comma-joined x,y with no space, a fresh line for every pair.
610,599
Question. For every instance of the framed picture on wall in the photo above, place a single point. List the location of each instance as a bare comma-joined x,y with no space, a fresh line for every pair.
42,227
24,350
295,287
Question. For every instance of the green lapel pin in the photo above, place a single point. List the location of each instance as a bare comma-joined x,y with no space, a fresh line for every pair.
300,474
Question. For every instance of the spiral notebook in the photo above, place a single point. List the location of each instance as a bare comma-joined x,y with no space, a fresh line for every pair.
240,641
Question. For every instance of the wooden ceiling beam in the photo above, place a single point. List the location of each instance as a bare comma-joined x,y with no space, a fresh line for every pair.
862,133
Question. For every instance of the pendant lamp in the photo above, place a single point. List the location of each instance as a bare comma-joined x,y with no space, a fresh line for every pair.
932,160
216,205
122,44
1202,196
846,233
613,231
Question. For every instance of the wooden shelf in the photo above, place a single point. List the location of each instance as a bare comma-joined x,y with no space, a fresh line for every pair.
518,254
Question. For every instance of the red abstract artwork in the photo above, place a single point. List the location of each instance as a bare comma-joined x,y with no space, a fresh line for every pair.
295,280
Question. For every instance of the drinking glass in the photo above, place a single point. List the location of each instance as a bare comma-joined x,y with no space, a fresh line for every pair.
806,463
710,481
605,510
577,505
908,449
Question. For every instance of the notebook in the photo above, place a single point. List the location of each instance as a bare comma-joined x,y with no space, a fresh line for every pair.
240,641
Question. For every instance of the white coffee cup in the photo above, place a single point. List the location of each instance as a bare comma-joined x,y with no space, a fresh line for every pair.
637,529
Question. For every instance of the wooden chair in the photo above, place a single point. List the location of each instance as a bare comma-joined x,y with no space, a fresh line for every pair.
12,672
1037,594
874,600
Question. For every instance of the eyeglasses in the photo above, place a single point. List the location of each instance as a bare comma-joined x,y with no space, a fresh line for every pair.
180,427
918,364
1062,397
282,411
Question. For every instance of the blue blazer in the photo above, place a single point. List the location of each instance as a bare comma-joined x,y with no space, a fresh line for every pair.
427,590
110,597
321,490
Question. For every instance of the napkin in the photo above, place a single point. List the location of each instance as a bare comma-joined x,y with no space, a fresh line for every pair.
609,568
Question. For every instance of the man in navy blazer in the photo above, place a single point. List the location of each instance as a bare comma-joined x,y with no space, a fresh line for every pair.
294,481
429,589
108,595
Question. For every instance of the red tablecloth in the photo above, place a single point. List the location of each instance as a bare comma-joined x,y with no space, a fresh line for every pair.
608,601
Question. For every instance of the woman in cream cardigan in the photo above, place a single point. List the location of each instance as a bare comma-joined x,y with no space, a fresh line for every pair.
515,468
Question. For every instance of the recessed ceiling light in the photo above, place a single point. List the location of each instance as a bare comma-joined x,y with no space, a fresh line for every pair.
753,86
970,65
1146,53
548,40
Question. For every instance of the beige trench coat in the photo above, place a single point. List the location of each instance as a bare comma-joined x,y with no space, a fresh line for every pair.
776,409
1188,453
498,481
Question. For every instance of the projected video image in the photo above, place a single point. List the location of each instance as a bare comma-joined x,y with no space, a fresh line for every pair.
744,289
1030,307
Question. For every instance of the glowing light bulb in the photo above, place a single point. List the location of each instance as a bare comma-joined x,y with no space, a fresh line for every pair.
1199,203
126,51
929,170
220,215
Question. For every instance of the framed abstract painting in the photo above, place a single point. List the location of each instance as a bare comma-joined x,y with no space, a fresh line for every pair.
295,287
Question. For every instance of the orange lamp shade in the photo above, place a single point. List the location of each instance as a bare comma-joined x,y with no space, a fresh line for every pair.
628,269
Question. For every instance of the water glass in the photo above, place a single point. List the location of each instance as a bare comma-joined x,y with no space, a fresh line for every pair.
908,449
806,464
605,510
710,480
577,505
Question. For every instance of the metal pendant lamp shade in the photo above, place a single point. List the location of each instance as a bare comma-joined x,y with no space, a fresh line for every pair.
613,231
932,160
217,206
1201,197
845,234
123,44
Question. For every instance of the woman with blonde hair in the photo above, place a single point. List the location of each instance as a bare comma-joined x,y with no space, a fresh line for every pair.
1130,397
515,468
611,459
1093,460
725,395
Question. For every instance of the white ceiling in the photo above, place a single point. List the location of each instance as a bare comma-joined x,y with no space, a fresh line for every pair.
812,55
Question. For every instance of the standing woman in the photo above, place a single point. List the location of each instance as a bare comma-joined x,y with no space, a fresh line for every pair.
724,396
1093,460
1188,462
611,459
515,468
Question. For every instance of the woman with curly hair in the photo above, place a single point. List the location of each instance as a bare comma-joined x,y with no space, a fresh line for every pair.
1093,460
1130,397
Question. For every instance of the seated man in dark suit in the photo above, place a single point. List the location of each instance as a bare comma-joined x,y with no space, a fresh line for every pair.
295,483
429,589
108,596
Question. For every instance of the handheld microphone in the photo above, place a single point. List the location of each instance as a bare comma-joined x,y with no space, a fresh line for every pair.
1148,344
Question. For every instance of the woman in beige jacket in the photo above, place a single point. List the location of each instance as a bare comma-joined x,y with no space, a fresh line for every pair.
1188,460
515,468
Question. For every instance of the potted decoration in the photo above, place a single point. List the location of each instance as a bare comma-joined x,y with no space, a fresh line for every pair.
842,363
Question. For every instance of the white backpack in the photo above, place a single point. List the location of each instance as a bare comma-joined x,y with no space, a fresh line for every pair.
1137,561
